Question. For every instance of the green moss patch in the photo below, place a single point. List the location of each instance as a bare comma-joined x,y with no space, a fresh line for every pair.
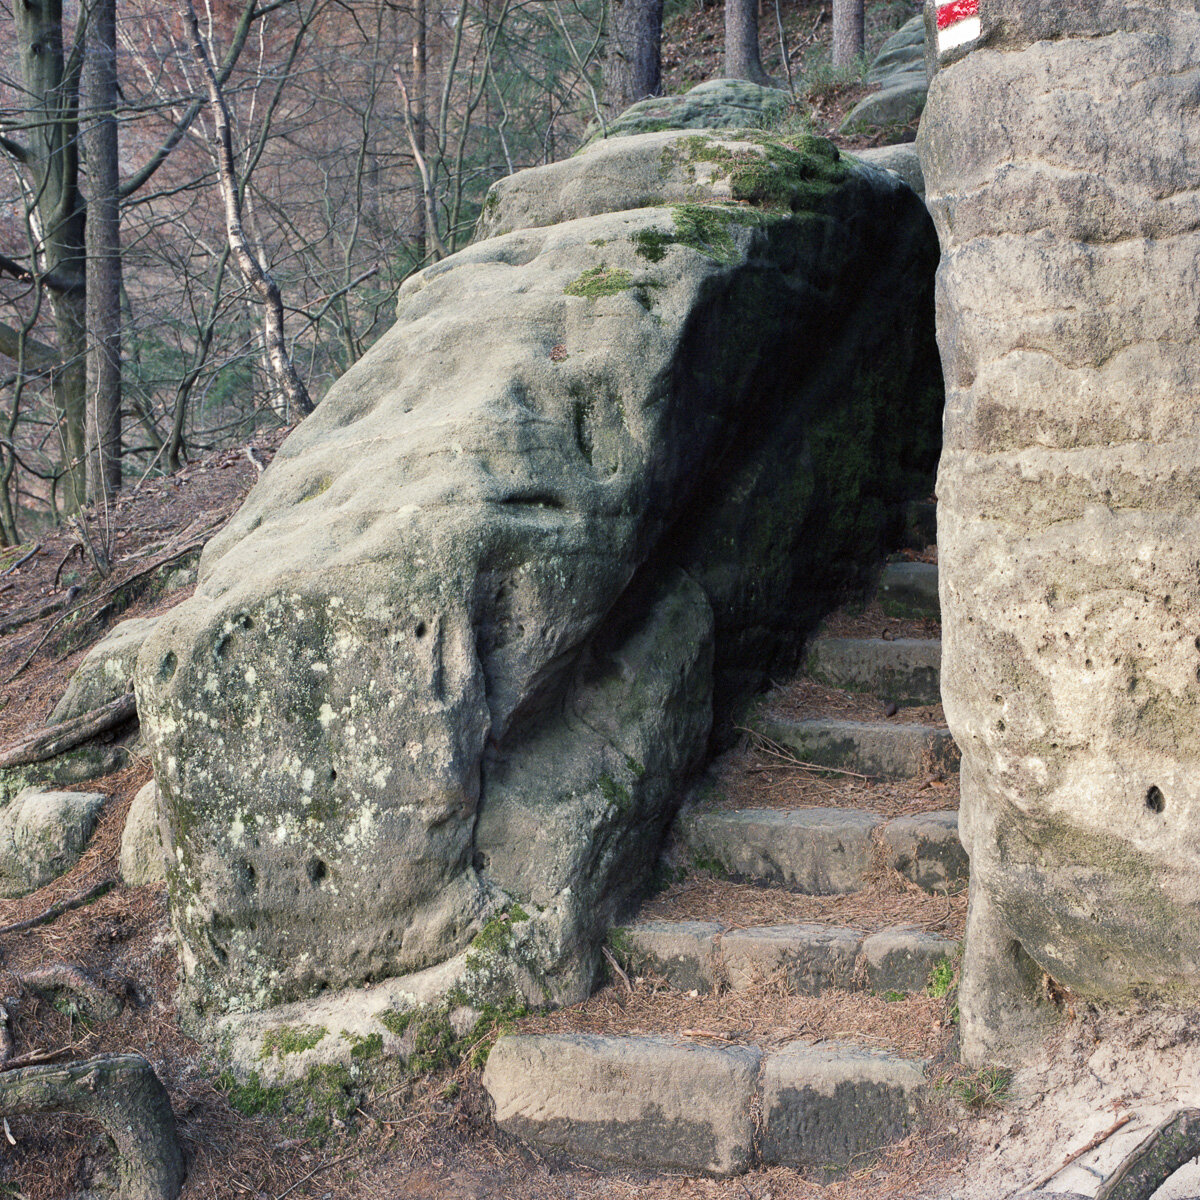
290,1039
599,281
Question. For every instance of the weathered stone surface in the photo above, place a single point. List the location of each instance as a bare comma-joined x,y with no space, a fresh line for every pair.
106,670
142,858
887,749
42,834
902,53
812,958
459,650
714,104
905,163
1061,156
826,1104
818,851
684,953
926,849
910,589
904,670
897,105
649,1101
901,959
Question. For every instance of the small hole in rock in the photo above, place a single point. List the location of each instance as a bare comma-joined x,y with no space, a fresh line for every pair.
420,630
166,668
316,870
1155,801
332,774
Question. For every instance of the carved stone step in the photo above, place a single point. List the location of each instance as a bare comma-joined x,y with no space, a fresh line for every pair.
910,589
823,851
905,671
704,956
883,749
666,1103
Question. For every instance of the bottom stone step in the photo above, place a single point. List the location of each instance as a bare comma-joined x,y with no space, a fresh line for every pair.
668,1104
704,956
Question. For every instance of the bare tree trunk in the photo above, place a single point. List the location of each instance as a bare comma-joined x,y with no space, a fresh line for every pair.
51,123
283,370
847,32
741,42
633,55
103,429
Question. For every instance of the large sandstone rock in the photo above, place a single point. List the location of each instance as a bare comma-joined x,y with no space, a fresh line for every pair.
445,673
42,834
1061,157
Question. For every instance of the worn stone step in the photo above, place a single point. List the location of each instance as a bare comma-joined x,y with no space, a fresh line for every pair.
663,1103
883,749
818,851
910,589
903,670
826,1105
823,851
650,1102
705,956
926,849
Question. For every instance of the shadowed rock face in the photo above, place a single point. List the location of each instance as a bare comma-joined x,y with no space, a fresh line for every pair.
1061,174
460,648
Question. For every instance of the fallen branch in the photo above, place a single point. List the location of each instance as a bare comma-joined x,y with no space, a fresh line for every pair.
6,1038
21,561
57,739
1155,1159
62,906
125,1095
1119,1123
333,1162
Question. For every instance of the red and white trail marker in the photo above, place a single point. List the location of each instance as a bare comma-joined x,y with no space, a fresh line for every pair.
957,23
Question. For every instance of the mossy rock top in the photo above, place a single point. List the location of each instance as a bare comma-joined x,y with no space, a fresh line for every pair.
762,170
715,104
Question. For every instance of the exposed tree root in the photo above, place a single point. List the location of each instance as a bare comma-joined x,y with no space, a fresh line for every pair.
63,906
57,980
1156,1158
125,1095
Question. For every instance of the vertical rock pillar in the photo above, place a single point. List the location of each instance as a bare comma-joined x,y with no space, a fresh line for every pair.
1061,149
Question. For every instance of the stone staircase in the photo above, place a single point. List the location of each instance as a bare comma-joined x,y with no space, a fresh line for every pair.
852,886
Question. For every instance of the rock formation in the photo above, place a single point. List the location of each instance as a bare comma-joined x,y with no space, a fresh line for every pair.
1060,150
445,673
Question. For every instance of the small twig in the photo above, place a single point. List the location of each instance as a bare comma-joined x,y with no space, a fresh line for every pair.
616,966
6,1037
1119,1123
63,906
773,748
256,463
333,1162
66,558
21,561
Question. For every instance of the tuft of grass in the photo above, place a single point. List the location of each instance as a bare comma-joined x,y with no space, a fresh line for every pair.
989,1087
891,996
